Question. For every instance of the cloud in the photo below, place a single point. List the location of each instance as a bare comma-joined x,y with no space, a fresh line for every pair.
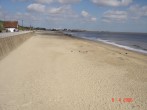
87,16
60,10
137,11
36,7
84,13
134,12
113,3
64,10
93,19
21,0
49,1
62,13
58,1
115,16
68,1
44,1
25,16
53,13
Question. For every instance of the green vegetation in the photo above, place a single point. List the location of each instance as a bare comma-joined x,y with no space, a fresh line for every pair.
30,28
1,26
24,28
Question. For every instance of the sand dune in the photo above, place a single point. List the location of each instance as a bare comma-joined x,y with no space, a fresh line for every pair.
54,72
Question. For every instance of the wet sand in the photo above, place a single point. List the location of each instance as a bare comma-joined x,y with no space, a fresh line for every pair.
56,72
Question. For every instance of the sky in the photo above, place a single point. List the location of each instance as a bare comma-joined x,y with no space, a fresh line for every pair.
94,15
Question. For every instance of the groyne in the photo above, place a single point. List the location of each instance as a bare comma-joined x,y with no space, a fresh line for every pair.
9,43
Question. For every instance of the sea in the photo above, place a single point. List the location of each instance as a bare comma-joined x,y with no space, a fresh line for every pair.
131,41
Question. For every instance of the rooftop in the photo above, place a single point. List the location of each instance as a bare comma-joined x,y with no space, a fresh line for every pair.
10,24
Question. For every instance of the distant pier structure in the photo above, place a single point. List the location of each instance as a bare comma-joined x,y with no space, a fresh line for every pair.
10,26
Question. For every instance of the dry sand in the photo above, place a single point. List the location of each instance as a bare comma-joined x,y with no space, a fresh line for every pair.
8,42
55,72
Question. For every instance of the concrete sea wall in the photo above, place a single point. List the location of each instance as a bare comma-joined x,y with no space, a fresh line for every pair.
7,44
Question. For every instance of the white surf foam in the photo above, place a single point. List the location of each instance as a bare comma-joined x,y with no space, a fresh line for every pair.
111,43
123,46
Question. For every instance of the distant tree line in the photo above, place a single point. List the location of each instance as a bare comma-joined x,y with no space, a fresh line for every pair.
39,28
1,26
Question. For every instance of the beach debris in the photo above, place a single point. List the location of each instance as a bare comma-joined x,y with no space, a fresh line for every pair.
83,51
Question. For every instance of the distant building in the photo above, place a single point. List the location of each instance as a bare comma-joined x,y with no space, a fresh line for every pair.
10,26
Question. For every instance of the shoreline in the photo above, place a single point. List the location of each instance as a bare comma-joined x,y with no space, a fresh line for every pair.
58,72
140,51
110,46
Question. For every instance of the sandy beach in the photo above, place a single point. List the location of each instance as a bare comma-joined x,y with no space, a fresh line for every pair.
51,71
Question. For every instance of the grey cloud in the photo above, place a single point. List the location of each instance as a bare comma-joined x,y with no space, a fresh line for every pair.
113,3
115,16
87,16
36,7
137,11
58,1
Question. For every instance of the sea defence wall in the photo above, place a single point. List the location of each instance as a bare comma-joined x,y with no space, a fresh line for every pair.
10,41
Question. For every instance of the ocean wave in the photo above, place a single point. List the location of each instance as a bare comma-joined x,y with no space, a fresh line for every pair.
137,49
122,46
